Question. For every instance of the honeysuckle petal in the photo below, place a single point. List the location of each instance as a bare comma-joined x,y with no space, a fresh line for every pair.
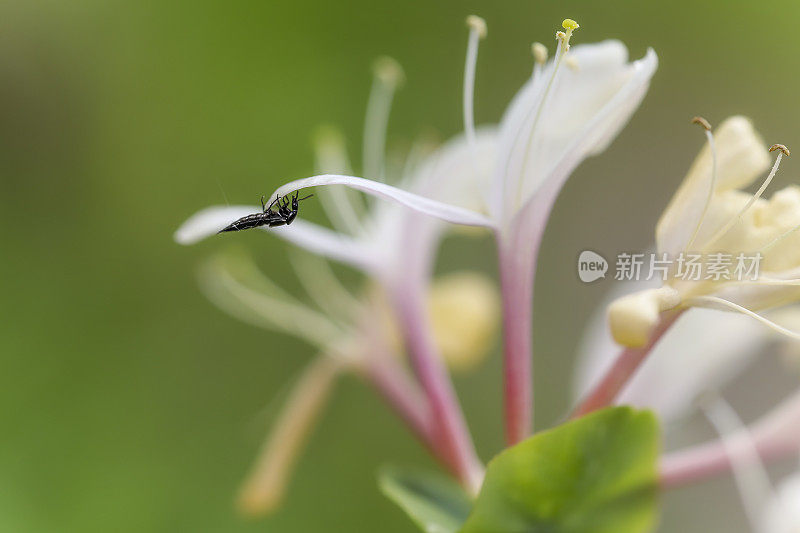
422,204
209,221
314,238
584,110
741,157
459,172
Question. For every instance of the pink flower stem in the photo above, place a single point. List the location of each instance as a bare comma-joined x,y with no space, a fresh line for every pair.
453,438
774,437
516,279
626,364
402,394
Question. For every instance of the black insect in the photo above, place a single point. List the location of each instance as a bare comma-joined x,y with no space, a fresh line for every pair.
284,215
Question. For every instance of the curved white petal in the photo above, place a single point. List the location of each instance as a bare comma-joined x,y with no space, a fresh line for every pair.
741,157
459,171
582,112
209,221
428,206
314,238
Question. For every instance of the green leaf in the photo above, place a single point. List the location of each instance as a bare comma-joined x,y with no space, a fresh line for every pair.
596,474
435,503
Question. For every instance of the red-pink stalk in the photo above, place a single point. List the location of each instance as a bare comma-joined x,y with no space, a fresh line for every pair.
402,394
451,432
621,371
516,279
775,436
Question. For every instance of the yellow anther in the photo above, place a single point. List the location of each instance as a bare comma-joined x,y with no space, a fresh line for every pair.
570,25
702,122
388,70
474,22
780,147
539,53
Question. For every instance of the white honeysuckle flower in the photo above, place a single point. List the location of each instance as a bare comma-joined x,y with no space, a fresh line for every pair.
393,245
710,214
558,118
351,333
505,180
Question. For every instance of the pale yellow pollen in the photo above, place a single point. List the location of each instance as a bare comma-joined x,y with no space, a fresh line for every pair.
389,71
474,22
570,25
539,53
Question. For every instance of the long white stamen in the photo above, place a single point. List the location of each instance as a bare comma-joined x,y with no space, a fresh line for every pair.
563,48
266,484
388,75
477,31
749,473
267,306
712,301
342,206
324,287
712,186
725,229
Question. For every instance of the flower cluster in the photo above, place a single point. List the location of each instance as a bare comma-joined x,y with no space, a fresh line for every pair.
405,330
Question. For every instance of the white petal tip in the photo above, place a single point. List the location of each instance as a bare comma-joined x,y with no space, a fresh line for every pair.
208,222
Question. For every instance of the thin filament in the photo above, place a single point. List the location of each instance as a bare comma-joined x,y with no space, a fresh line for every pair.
700,300
560,53
376,123
725,229
324,287
711,189
342,206
469,83
749,473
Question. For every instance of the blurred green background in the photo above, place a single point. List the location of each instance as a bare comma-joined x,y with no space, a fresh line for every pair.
127,401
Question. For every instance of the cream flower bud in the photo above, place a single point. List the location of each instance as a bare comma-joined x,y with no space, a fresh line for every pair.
632,318
465,310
